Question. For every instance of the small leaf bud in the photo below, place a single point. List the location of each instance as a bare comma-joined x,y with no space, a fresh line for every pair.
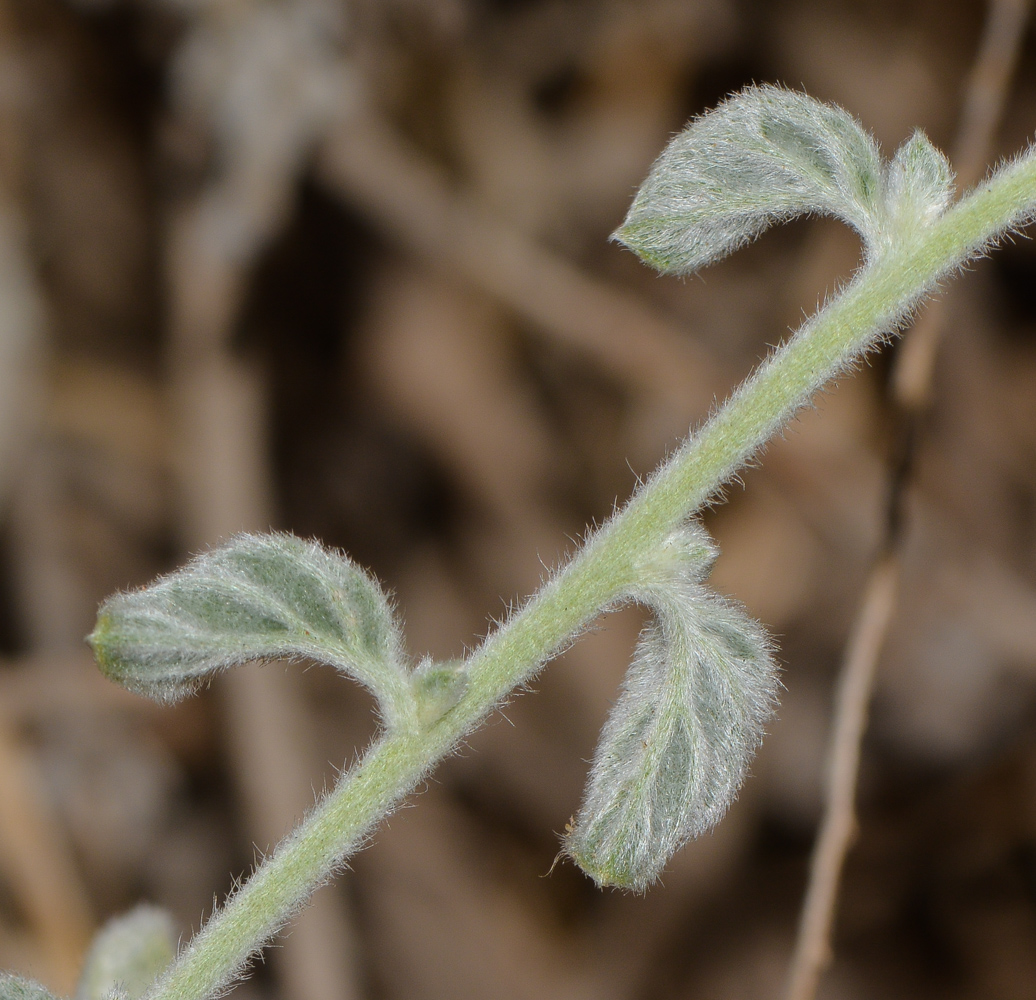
128,955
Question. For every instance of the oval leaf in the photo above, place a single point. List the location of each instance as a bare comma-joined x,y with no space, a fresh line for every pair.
762,156
256,597
678,741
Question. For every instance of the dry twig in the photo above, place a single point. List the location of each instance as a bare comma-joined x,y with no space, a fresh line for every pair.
813,949
911,391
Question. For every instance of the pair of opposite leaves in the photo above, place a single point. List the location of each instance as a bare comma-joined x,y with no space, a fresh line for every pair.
677,743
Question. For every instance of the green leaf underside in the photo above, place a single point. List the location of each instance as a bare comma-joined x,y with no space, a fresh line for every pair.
257,597
762,156
678,741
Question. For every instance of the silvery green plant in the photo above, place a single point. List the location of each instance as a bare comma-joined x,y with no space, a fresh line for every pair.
680,736
676,745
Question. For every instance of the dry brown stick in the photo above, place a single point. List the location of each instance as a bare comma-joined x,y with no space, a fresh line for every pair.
987,87
911,391
981,114
813,949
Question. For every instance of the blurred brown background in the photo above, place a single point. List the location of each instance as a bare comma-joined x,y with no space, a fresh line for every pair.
341,267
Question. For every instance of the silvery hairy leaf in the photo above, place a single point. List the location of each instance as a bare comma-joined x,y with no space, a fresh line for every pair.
438,688
920,183
128,955
16,988
762,156
257,597
679,739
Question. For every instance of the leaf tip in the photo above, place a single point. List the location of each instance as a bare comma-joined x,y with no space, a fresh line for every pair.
120,662
920,184
106,645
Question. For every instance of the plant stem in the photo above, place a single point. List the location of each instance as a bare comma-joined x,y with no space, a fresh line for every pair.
876,301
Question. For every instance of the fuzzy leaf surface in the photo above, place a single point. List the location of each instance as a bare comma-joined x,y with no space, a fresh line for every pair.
920,184
14,987
257,597
762,156
679,739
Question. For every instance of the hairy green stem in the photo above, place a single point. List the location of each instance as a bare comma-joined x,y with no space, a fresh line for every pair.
875,302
